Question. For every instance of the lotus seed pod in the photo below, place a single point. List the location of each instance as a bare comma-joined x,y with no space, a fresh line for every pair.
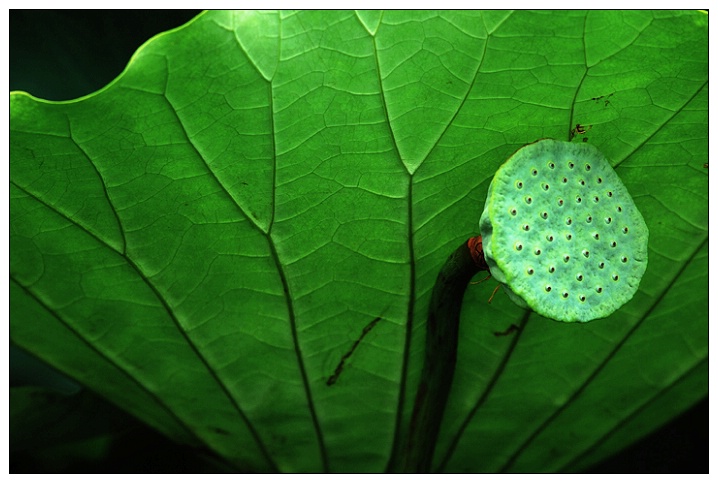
561,232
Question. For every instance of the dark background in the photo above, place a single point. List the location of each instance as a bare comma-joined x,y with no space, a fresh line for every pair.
65,54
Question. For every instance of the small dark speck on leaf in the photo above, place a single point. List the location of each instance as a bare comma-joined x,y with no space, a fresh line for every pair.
512,328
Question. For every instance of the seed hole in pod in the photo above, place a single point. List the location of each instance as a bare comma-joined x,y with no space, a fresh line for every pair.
585,253
601,265
608,220
595,199
534,172
569,220
588,167
547,288
519,184
551,269
565,180
582,298
549,237
528,200
564,295
613,244
566,258
571,165
589,219
530,271
625,229
560,202
544,215
537,251
610,194
545,186
624,259
551,165
519,247
619,209
525,227
579,277
568,236
595,235
599,180
578,199
513,211
583,183
599,289
614,277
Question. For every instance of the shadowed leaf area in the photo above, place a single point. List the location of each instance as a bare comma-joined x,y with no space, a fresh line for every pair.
235,241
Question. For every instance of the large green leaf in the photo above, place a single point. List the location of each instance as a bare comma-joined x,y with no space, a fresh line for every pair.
203,241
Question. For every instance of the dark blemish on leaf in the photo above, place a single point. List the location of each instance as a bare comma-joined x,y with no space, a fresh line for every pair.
585,140
605,98
221,431
512,328
340,367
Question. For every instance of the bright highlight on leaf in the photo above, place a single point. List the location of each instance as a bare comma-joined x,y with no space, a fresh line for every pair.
562,233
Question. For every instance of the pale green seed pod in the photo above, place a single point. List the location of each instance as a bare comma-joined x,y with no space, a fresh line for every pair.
561,232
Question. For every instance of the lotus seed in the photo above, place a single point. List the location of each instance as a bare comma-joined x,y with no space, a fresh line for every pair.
571,171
